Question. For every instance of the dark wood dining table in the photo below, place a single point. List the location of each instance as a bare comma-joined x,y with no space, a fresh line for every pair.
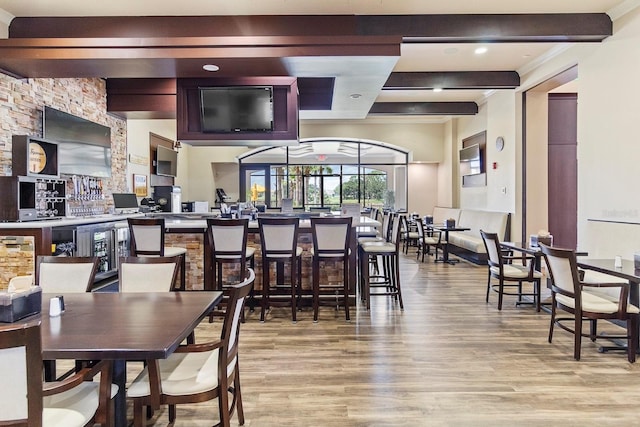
122,327
445,249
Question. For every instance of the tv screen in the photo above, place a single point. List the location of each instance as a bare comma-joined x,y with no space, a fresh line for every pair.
470,161
84,147
166,161
236,109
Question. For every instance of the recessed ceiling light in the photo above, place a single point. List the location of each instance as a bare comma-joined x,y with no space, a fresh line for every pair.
480,50
210,67
450,51
437,89
355,96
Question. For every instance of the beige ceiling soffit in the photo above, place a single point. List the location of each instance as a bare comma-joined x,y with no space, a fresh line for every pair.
547,56
5,17
622,9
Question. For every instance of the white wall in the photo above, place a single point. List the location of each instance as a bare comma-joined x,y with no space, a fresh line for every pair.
423,188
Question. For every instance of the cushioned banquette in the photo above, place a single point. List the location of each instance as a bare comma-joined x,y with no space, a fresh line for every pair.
468,244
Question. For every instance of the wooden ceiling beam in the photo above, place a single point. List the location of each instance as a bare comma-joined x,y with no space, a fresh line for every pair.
444,28
453,80
424,108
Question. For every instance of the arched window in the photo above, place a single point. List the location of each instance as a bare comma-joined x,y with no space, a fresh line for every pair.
324,173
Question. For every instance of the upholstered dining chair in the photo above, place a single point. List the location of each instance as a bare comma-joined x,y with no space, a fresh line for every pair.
26,401
509,273
331,242
60,274
198,372
427,240
279,245
585,301
147,239
148,274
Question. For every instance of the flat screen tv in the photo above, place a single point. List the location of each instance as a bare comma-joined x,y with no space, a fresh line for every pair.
166,161
84,147
470,160
236,109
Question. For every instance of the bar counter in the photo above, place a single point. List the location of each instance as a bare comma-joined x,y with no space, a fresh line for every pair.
185,230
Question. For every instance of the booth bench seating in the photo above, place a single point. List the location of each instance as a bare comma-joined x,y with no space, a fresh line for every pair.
469,244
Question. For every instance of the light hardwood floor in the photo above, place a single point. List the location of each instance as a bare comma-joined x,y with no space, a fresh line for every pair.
448,359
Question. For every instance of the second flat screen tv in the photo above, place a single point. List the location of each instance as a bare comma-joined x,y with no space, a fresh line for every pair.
236,109
166,161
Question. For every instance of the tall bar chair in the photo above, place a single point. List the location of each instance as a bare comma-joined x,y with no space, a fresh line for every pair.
387,281
278,240
227,240
147,239
331,242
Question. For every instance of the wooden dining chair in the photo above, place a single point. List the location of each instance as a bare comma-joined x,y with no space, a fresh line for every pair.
26,401
586,302
198,372
510,272
147,240
148,274
60,274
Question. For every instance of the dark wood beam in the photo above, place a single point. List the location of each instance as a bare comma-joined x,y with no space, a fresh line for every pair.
542,27
425,108
453,80
445,28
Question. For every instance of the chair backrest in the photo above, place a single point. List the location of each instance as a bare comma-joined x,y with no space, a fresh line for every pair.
563,272
146,236
228,237
278,236
331,236
21,373
420,229
396,229
386,225
60,274
148,274
231,325
492,245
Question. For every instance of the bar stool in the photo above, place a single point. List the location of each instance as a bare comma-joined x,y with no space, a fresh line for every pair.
278,240
331,241
227,240
147,239
389,279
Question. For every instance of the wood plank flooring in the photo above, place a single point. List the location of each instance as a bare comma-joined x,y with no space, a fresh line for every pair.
448,359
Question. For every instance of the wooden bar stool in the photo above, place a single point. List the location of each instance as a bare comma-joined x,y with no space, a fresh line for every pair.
227,239
278,240
331,241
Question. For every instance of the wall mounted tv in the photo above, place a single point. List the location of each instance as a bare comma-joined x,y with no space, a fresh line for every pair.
166,161
84,147
471,160
236,109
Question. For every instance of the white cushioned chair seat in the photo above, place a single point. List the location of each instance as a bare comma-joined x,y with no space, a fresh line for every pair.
247,253
174,251
299,251
513,271
362,240
73,407
379,248
594,303
180,374
326,254
413,235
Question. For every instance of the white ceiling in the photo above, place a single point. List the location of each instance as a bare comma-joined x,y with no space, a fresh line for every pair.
414,57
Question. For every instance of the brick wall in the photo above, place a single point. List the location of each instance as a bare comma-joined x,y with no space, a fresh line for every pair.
21,105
